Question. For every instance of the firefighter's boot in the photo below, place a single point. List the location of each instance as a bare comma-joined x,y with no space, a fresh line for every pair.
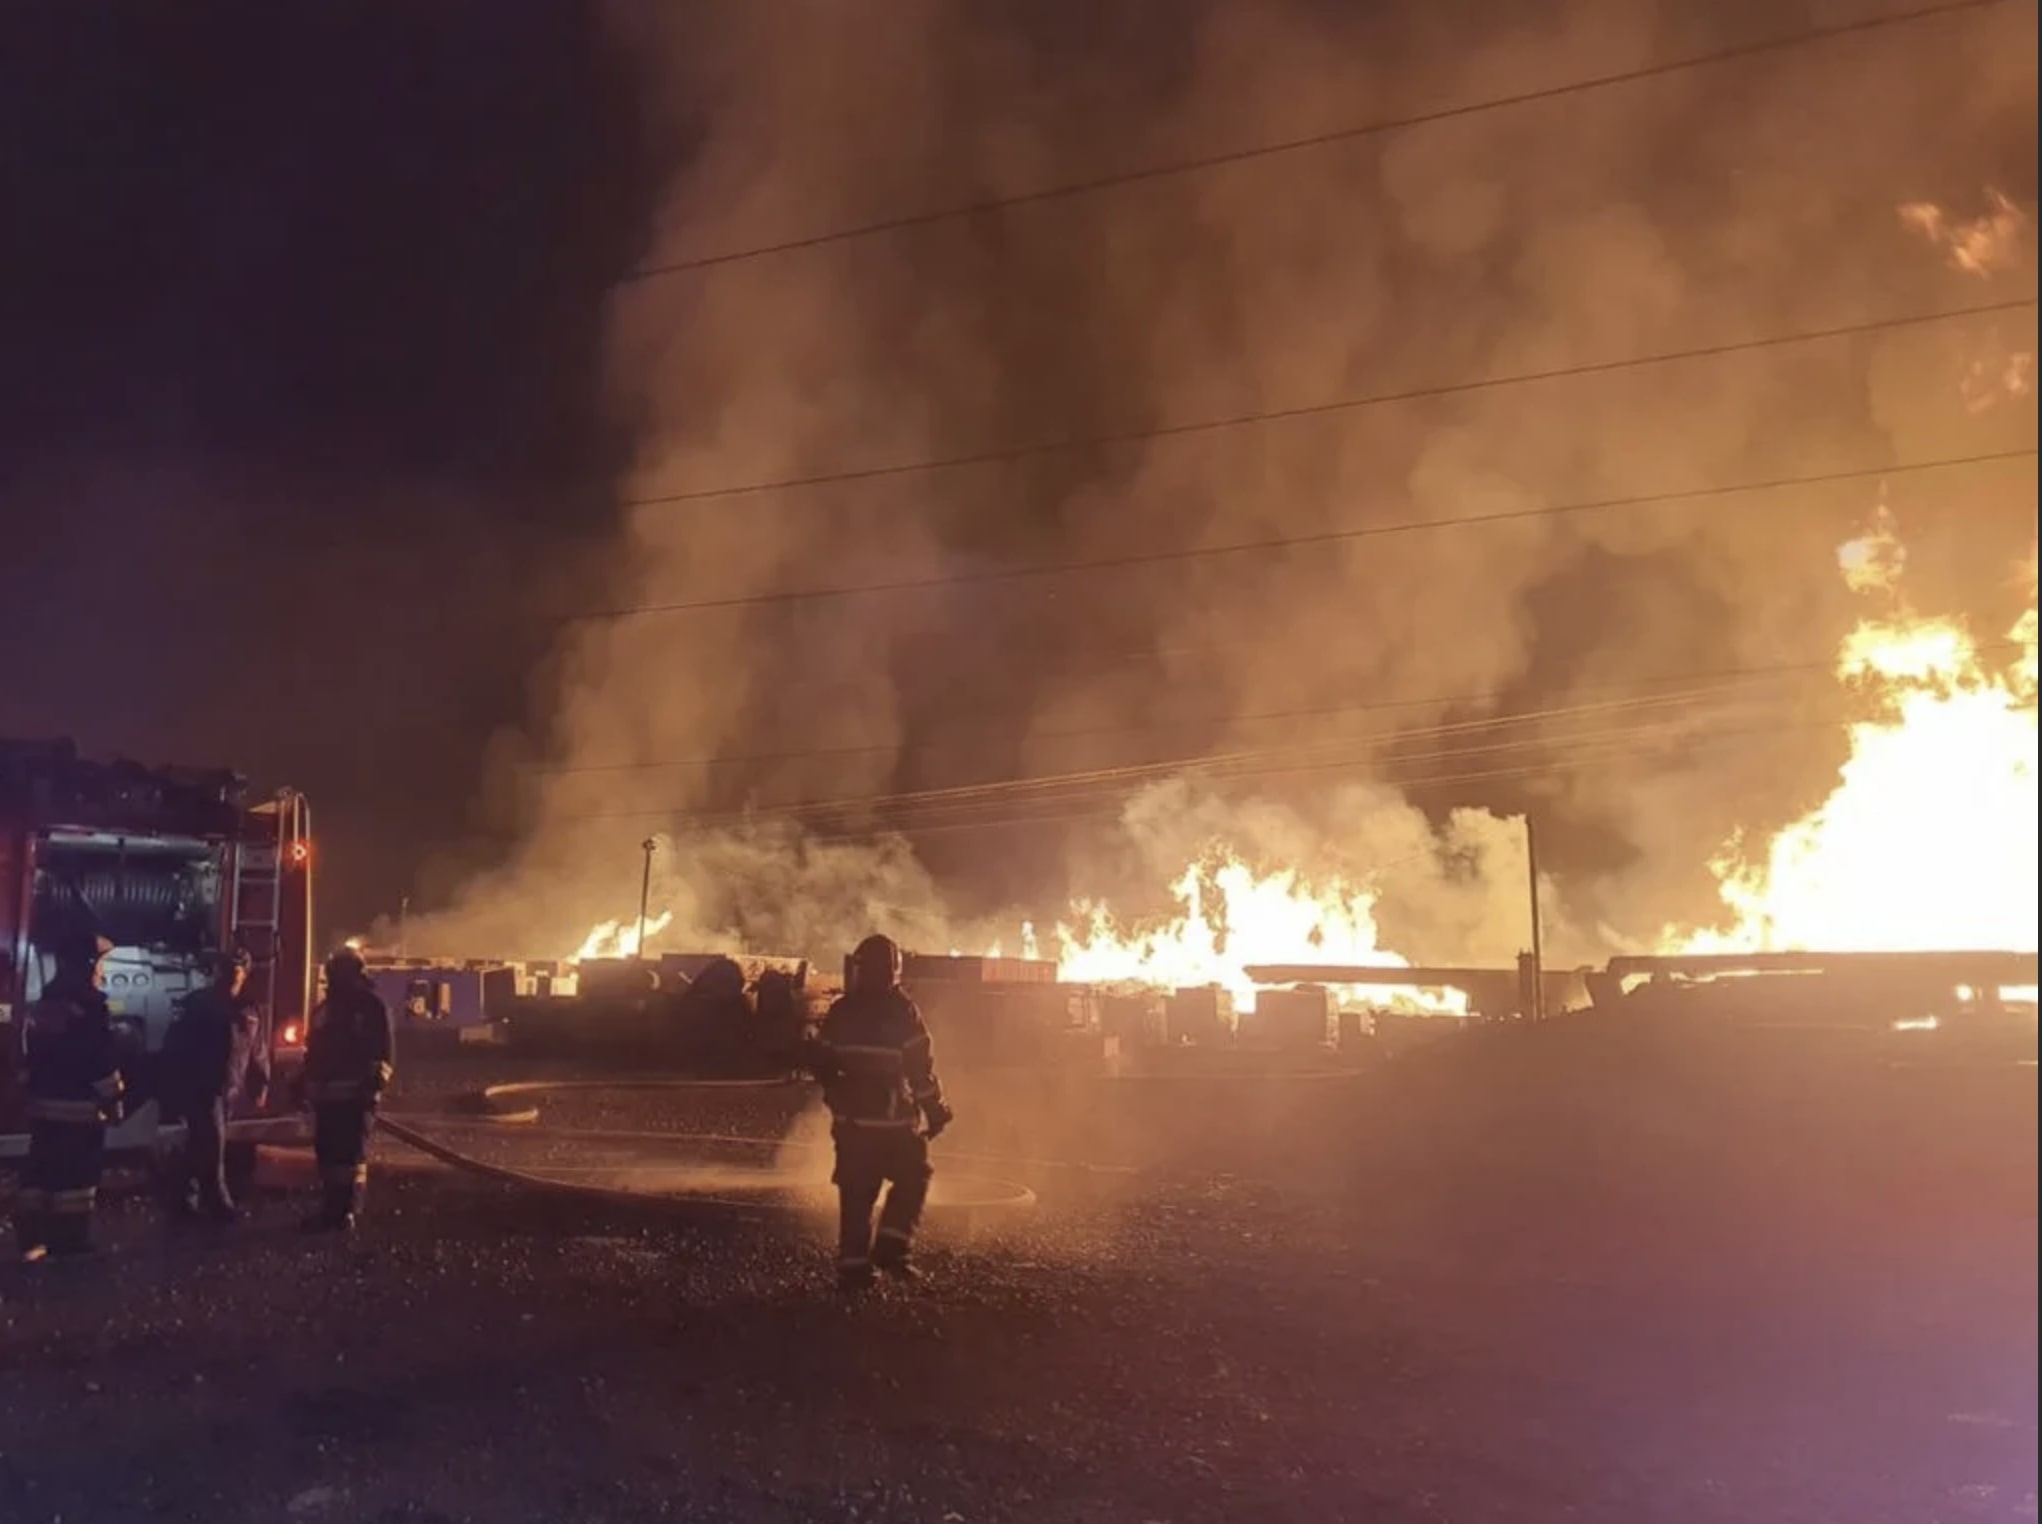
893,1255
339,1208
852,1279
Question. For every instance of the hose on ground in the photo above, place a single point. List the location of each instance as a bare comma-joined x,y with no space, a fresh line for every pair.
1013,1195
467,1164
481,1108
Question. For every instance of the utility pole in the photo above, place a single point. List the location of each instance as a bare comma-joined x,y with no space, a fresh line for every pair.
648,847
404,927
1538,947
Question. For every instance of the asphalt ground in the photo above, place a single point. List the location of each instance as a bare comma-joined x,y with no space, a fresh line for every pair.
1561,1280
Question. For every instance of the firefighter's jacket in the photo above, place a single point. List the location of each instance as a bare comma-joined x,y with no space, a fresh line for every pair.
348,1052
215,1051
876,1063
74,1070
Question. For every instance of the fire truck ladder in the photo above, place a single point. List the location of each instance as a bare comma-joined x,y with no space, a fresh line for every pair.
256,911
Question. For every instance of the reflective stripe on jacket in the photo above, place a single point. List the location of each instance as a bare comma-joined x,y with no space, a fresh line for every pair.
876,1061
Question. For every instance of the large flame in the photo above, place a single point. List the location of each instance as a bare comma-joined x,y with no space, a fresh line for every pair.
1230,917
1927,842
619,939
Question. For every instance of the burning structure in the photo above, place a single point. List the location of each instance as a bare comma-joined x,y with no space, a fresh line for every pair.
1099,692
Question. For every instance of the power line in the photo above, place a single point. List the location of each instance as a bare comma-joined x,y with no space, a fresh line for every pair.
1204,163
1720,678
1596,754
1704,687
1162,767
1265,416
1077,787
1306,541
1353,748
1331,754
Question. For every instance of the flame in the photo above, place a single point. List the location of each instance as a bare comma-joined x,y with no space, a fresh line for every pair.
1927,842
619,939
1874,561
1990,381
1979,245
1229,917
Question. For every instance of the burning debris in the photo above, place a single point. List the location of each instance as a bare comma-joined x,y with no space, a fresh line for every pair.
1230,918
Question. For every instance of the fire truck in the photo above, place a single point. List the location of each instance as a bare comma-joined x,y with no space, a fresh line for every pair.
170,865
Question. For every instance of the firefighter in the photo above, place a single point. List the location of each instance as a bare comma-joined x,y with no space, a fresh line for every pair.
878,1070
214,1057
74,1087
347,1068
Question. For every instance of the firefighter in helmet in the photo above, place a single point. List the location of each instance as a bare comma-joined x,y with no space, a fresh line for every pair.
213,1057
74,1089
347,1068
878,1071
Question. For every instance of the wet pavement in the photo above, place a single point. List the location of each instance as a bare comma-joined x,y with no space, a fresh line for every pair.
1441,1301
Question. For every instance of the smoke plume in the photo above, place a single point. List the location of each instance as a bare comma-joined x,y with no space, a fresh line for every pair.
1341,684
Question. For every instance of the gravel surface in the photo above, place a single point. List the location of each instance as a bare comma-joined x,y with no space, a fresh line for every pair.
1493,1290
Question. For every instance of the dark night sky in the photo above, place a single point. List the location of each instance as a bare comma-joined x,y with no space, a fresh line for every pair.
300,383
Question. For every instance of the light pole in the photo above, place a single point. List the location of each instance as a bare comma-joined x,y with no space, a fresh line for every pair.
1538,929
648,847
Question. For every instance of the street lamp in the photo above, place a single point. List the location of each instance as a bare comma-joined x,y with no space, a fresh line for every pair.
648,847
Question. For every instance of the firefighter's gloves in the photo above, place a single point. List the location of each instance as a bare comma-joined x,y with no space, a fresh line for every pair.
935,1117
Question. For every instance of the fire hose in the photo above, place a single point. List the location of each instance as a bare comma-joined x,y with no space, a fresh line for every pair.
991,1193
481,1107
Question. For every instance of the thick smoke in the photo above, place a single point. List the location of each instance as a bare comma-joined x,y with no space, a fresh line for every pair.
1755,198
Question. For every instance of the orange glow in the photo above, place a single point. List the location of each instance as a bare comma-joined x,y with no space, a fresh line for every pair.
1230,917
1987,244
619,939
1928,840
301,852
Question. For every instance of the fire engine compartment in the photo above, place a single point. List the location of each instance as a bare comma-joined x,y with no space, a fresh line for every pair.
167,864
157,899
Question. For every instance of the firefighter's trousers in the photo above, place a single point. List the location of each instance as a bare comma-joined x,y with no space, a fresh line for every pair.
59,1186
870,1159
340,1143
205,1157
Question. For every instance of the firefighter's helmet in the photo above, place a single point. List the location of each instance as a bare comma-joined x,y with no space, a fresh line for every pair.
228,959
346,968
876,964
